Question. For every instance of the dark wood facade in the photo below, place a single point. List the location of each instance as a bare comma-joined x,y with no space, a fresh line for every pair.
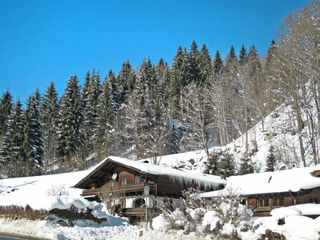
262,204
116,177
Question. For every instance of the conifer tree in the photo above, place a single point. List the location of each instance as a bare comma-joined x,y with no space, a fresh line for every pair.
193,60
33,141
103,132
118,115
50,111
217,65
271,160
163,79
143,105
5,108
178,81
12,154
205,66
273,83
70,137
115,93
212,165
243,57
126,81
227,165
246,166
174,140
92,92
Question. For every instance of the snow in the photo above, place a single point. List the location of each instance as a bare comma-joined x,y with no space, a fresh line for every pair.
44,192
211,219
181,175
285,212
295,227
270,182
160,223
306,209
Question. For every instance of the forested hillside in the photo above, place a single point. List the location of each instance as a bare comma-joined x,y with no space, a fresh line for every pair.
199,101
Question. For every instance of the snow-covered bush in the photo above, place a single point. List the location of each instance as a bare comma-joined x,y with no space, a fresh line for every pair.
112,201
222,217
58,190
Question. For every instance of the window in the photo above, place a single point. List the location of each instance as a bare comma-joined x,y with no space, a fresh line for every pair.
313,200
137,179
275,201
281,201
263,202
124,180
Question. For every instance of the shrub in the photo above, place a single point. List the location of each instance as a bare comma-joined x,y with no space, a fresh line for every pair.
222,217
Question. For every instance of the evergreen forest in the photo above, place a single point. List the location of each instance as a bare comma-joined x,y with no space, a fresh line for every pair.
201,100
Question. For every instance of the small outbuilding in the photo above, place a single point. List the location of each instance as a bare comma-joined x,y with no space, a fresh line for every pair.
263,192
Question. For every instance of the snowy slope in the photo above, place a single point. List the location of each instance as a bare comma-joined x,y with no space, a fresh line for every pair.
279,131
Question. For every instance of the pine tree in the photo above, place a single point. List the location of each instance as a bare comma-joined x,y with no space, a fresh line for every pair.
5,109
231,57
227,165
70,137
92,92
33,141
246,166
174,140
178,81
217,65
163,79
118,115
193,69
50,111
126,81
12,154
103,132
212,165
271,160
143,105
273,83
243,57
205,66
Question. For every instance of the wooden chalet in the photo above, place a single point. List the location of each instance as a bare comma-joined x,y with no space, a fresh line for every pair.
263,192
126,180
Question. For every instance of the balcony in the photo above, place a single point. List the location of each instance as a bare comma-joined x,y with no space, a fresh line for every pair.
139,212
139,187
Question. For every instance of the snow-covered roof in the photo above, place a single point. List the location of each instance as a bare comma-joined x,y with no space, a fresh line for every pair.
292,180
152,169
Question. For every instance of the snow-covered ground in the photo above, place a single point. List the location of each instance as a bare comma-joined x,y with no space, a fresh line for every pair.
42,192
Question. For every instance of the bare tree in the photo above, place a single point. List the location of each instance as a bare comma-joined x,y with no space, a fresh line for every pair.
196,117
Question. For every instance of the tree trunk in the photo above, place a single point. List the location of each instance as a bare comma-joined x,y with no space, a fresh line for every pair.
300,128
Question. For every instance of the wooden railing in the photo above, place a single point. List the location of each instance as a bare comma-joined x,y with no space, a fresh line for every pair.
128,212
139,187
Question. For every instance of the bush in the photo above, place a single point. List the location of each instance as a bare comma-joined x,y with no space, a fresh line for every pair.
222,217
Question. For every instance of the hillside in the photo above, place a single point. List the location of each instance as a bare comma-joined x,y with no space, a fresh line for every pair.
280,131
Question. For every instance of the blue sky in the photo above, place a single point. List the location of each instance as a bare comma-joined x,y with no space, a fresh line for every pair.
44,40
